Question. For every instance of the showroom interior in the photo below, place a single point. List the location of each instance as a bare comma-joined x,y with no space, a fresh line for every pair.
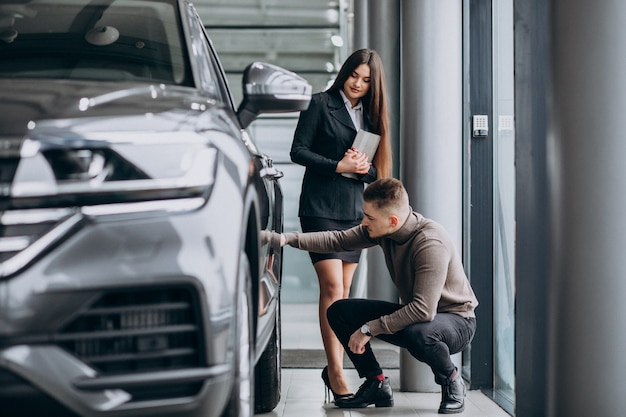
507,129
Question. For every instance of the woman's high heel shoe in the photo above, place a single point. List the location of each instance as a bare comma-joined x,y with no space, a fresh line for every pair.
329,390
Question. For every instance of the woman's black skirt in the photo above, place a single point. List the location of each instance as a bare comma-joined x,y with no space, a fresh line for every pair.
319,224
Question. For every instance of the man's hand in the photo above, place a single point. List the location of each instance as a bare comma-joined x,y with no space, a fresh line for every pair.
273,238
357,342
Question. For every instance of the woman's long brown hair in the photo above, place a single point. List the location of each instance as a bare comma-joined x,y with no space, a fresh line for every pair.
374,102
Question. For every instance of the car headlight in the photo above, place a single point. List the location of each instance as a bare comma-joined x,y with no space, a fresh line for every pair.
79,172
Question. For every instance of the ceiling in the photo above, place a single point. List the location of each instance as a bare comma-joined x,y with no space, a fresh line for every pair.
310,37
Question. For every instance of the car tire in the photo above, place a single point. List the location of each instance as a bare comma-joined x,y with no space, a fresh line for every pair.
267,390
241,401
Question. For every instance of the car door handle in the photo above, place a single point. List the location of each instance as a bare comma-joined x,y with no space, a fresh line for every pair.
271,172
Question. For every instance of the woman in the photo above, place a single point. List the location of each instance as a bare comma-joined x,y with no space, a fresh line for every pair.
330,201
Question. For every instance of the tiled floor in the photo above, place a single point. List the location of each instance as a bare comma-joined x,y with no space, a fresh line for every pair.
303,389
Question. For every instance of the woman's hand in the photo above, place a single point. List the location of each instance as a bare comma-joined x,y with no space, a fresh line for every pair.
353,161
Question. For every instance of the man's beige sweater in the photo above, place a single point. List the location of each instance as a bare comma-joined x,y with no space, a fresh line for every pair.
423,264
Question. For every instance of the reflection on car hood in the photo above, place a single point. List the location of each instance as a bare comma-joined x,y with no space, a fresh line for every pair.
23,102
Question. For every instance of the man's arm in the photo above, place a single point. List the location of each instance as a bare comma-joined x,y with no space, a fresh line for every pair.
330,241
321,242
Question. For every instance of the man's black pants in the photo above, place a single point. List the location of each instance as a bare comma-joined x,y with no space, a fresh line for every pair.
430,342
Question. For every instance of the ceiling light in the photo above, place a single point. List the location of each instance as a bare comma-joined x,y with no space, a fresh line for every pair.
337,41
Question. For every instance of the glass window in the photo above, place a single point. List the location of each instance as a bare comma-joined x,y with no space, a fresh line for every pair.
504,206
97,40
308,38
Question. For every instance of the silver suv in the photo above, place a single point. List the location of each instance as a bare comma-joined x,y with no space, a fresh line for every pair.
133,277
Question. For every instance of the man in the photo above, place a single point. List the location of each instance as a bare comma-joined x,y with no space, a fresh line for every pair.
436,316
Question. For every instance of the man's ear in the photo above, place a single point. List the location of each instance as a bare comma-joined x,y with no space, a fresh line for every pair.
393,220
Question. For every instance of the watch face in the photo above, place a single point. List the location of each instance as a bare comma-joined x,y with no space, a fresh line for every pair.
365,329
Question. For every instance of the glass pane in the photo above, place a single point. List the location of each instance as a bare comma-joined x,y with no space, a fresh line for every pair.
275,13
307,37
274,136
104,40
504,206
299,50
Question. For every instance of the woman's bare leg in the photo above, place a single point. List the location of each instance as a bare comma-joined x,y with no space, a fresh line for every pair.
335,278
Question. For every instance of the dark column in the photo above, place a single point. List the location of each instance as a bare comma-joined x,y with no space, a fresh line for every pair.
481,159
532,60
360,24
587,174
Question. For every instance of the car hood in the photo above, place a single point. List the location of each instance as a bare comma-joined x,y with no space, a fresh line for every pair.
76,143
25,103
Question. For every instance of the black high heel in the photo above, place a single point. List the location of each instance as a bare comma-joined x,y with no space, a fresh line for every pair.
329,389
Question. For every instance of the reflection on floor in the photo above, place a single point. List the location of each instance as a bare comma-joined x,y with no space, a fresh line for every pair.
303,389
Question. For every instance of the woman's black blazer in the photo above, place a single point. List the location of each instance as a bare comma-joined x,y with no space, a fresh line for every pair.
323,134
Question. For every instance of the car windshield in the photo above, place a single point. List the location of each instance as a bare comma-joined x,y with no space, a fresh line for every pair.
108,40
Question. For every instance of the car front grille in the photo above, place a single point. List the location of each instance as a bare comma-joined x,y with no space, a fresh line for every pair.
138,330
18,397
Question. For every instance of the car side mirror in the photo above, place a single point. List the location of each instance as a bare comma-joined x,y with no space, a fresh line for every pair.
268,88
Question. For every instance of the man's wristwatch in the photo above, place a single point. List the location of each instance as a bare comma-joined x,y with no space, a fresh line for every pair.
365,329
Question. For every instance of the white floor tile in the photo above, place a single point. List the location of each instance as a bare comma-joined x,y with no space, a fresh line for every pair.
303,389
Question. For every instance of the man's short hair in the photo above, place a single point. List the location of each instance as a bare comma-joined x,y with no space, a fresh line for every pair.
387,194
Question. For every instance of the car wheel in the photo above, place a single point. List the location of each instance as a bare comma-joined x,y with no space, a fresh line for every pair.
268,372
241,399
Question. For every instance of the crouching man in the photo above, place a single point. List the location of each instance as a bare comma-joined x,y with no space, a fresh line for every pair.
435,318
